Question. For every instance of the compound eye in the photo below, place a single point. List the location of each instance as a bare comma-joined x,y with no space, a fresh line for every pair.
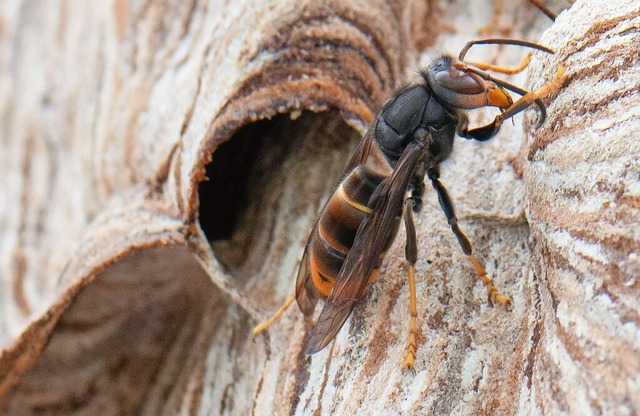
461,89
459,82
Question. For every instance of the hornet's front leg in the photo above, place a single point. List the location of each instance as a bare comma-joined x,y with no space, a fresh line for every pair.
527,100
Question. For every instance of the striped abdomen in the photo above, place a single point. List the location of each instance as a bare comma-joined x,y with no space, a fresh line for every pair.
336,229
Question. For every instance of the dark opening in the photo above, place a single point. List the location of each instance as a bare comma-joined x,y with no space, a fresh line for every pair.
224,196
262,179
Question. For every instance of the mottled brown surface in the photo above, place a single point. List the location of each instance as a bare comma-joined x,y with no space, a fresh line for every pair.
583,185
112,301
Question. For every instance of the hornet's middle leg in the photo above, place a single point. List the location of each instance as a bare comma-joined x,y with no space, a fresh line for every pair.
447,206
413,202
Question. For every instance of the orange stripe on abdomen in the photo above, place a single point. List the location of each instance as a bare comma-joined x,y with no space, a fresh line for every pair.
339,223
346,209
323,283
335,232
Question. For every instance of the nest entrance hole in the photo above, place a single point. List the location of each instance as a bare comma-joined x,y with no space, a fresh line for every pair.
267,183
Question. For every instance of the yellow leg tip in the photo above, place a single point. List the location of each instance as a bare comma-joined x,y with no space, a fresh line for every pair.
496,298
407,365
259,328
503,300
266,324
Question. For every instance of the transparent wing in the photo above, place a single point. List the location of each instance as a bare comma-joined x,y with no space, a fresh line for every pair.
306,293
369,243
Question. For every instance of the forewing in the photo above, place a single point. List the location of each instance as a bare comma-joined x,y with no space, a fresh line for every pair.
361,153
306,293
369,243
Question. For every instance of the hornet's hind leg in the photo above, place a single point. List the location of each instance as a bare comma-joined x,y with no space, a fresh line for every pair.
305,302
266,324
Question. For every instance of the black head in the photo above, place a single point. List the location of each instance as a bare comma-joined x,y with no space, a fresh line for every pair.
461,89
